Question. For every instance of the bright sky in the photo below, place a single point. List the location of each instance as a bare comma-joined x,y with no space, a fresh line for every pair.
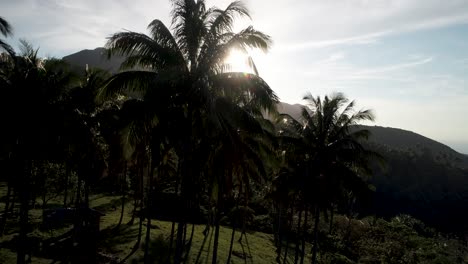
406,59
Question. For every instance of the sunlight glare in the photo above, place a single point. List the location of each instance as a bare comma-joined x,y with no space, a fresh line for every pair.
238,61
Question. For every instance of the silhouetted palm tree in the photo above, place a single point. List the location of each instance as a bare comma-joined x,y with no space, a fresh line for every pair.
5,30
327,131
181,75
32,90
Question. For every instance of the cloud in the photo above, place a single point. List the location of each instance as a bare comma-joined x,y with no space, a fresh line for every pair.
319,24
61,27
357,40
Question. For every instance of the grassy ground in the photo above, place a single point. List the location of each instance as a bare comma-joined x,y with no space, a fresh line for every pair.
256,247
119,242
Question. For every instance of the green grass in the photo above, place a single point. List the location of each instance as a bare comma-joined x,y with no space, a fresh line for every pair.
256,247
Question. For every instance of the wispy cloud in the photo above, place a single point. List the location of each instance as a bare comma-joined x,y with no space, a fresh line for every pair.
357,40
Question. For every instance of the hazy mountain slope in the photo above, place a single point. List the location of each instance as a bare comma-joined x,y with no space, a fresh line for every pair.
95,59
422,177
399,139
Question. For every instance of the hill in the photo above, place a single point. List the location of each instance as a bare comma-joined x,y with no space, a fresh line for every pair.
422,177
95,59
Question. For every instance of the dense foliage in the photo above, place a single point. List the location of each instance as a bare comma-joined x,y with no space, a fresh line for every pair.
175,135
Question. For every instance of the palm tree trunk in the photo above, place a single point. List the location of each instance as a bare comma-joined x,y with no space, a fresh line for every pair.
304,233
232,241
179,246
315,245
78,193
135,205
176,192
216,234
330,230
148,213
5,211
189,245
124,180
289,230
12,207
296,256
278,236
140,226
206,232
186,173
65,190
24,212
86,193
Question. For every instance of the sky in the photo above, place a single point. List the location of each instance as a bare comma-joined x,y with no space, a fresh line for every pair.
405,59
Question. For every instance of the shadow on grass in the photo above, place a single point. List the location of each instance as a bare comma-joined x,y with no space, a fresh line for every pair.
112,205
112,238
158,252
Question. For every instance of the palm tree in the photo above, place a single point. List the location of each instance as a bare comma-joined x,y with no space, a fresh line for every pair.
5,30
327,131
182,77
33,89
328,152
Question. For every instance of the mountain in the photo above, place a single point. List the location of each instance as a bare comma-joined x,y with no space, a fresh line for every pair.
94,59
421,177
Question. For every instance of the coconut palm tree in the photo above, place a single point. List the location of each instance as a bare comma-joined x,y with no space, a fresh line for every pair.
327,131
5,30
182,76
332,157
33,89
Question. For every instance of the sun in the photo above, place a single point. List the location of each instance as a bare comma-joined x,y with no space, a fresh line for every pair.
238,61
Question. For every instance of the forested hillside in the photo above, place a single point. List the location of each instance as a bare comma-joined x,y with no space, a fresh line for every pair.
421,177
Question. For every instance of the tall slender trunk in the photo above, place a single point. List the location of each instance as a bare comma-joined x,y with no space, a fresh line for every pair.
171,242
13,201
65,190
135,206
234,218
148,213
304,233
296,256
184,189
5,211
232,243
278,235
24,212
316,225
184,238
86,192
217,222
206,232
189,244
123,188
78,193
179,245
140,226
289,230
216,238
330,230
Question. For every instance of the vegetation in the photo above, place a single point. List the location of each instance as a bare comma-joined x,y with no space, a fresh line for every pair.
177,159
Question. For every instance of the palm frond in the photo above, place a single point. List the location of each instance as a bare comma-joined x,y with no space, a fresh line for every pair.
188,22
250,38
5,27
248,90
5,46
223,20
130,82
140,45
